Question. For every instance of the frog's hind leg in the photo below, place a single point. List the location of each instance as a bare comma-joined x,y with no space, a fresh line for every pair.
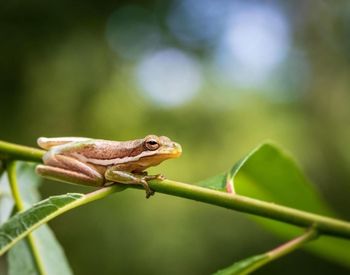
68,169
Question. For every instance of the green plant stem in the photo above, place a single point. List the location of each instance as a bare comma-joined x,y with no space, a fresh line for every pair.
11,172
288,247
324,225
10,151
282,250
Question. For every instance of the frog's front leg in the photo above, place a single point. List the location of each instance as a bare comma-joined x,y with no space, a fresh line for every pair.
115,175
69,169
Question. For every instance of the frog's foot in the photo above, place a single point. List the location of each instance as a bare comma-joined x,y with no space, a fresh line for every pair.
154,177
108,183
149,191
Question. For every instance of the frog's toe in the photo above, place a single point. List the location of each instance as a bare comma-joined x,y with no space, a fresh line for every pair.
108,183
160,177
149,193
154,177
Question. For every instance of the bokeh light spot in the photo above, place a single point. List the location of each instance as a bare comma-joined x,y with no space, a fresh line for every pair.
258,37
255,42
169,77
131,31
195,22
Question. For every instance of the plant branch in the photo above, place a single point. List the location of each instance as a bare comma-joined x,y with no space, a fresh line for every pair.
309,235
247,266
11,172
10,151
324,225
286,248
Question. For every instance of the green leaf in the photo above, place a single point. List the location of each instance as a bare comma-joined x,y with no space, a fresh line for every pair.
270,174
6,202
21,224
24,222
244,266
20,258
21,261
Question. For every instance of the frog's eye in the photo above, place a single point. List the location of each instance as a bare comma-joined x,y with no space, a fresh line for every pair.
151,144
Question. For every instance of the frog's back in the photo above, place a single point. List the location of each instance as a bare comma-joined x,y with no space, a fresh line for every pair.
103,149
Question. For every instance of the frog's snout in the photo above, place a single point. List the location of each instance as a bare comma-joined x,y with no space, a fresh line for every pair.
177,149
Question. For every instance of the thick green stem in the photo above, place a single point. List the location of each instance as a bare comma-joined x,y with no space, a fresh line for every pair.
11,172
324,225
20,152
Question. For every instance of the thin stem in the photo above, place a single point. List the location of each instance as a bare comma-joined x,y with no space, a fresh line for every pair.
286,248
11,172
324,225
282,250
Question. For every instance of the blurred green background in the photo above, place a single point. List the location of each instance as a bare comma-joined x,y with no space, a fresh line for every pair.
217,76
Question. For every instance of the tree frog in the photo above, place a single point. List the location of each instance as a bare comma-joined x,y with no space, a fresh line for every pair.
97,162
